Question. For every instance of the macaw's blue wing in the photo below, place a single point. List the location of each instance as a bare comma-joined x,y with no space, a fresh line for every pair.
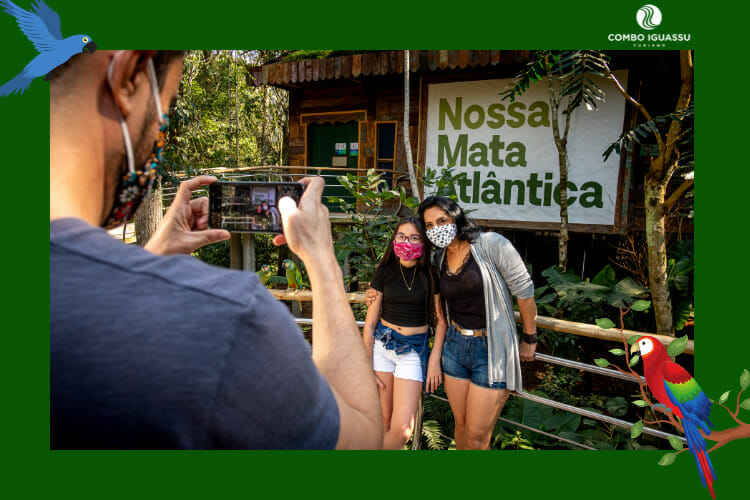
33,26
685,393
16,85
49,17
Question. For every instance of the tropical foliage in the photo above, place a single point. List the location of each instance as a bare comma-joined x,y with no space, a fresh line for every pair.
672,136
363,243
221,119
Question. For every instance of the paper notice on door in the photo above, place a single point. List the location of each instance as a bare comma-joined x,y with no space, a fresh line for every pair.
339,161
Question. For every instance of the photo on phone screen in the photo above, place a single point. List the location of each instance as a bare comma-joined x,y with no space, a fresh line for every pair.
250,207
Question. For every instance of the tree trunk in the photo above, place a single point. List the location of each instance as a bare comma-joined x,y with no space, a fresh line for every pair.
562,242
657,254
562,159
655,187
148,216
407,142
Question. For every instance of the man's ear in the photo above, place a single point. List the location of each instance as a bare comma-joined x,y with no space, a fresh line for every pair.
126,74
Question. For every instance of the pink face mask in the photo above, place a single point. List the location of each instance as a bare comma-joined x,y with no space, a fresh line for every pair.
407,250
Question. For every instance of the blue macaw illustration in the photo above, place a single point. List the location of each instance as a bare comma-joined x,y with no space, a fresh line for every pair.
42,28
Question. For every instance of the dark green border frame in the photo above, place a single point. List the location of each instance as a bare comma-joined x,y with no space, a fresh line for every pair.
721,342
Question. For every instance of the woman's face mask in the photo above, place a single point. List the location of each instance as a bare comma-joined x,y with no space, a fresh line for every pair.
135,184
441,236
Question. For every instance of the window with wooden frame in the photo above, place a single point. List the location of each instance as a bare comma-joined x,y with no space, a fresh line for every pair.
385,149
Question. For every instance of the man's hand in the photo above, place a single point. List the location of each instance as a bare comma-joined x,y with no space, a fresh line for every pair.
370,295
307,229
184,228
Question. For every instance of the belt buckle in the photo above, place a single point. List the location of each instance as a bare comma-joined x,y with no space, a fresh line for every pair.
467,332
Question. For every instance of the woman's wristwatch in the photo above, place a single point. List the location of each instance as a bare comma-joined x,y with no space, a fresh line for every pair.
529,338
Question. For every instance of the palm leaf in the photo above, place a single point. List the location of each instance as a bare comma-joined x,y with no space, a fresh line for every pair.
646,129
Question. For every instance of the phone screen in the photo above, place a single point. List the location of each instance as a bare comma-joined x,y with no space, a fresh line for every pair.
249,207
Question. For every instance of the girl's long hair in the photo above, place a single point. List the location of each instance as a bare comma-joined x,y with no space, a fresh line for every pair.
424,265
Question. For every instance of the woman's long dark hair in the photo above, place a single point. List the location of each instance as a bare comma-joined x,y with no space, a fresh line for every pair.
467,230
424,266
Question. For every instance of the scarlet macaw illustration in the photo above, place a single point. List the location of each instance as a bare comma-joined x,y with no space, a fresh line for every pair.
678,391
42,28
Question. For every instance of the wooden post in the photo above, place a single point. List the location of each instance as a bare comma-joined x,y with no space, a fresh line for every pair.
235,251
248,252
416,442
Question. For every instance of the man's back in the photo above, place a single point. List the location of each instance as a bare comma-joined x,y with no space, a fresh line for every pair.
164,352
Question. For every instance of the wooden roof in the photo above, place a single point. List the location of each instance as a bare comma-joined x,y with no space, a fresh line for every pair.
387,62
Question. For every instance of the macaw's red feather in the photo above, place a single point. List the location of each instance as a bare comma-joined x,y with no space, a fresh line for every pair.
675,374
708,472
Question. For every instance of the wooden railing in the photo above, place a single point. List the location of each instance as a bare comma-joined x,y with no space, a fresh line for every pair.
558,325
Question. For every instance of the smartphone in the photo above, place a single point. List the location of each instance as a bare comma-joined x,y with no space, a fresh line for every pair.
249,207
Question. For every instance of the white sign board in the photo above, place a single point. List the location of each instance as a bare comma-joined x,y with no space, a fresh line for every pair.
507,154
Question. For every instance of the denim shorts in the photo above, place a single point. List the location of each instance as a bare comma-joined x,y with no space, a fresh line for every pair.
404,355
465,358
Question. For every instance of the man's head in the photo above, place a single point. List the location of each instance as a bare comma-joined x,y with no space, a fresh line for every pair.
91,97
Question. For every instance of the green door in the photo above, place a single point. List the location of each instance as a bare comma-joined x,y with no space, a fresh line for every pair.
333,145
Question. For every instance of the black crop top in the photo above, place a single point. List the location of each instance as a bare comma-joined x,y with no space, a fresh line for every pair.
400,306
464,294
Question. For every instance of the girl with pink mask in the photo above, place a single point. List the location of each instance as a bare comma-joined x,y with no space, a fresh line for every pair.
397,328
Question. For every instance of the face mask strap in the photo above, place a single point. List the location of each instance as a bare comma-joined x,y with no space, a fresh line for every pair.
155,87
123,125
136,184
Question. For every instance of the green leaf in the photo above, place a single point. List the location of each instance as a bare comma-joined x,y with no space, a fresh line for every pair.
745,379
601,362
667,459
677,346
640,403
675,442
641,305
617,406
617,352
724,397
605,277
636,430
546,299
633,339
557,278
745,405
625,292
634,360
605,323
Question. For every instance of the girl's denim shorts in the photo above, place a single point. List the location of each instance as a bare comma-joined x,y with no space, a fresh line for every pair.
404,355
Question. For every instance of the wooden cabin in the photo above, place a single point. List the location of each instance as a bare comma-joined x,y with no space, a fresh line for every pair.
346,114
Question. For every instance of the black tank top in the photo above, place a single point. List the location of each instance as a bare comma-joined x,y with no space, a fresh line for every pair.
464,294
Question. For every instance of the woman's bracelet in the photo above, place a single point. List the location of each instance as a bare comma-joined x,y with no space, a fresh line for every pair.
529,338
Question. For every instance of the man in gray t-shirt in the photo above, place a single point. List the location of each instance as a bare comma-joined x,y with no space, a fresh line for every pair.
152,349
